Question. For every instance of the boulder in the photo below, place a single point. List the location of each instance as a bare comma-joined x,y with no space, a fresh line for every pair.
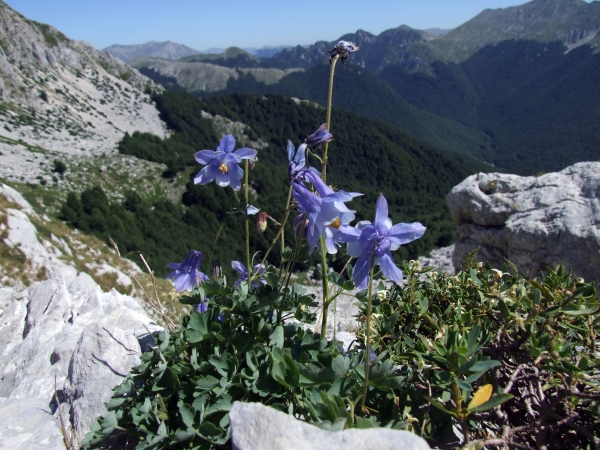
533,222
258,427
75,335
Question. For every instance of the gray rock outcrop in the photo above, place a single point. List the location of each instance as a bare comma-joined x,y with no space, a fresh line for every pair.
258,427
533,222
70,331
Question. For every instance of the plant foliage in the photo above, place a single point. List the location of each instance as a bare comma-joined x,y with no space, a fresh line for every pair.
480,358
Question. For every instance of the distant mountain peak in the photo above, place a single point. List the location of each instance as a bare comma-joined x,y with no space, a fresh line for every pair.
166,50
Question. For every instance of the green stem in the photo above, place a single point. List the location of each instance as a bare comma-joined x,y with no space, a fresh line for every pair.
368,338
325,283
329,97
287,205
248,267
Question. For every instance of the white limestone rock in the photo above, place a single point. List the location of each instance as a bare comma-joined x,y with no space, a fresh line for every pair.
440,258
534,222
258,427
28,424
72,332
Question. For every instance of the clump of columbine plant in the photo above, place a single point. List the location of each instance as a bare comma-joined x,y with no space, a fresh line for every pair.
238,331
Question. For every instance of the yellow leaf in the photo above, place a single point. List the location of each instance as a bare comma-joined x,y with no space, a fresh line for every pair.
482,395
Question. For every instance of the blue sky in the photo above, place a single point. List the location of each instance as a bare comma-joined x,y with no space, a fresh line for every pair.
203,24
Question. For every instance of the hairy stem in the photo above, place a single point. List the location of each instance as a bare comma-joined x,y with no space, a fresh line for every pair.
329,97
287,205
325,283
248,267
368,337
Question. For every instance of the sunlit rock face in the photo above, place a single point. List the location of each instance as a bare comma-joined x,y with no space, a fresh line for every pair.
533,222
59,96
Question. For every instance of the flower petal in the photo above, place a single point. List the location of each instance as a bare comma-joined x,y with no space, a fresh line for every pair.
184,282
205,156
235,185
238,267
251,210
235,171
227,144
245,153
206,175
402,233
389,268
361,270
381,211
223,179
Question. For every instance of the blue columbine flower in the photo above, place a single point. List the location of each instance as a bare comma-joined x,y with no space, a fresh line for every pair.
187,275
259,269
326,214
379,238
222,164
319,137
342,48
296,159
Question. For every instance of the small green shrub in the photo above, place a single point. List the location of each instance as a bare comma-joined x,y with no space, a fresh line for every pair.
59,167
480,358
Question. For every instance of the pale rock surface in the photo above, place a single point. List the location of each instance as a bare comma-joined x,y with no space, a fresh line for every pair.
534,222
258,427
63,330
440,258
63,97
28,424
72,332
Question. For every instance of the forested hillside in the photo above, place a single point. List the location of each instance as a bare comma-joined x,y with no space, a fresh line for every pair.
366,156
537,102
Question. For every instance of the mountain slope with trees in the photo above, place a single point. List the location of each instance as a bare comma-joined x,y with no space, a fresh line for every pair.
366,156
514,87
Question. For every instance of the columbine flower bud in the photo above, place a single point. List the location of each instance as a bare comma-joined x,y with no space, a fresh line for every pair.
261,222
319,137
217,271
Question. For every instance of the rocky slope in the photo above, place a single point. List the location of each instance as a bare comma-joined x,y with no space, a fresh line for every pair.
59,95
572,22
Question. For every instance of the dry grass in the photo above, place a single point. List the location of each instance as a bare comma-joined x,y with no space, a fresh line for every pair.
86,253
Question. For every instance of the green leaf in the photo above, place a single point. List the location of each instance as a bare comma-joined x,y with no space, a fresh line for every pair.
363,423
276,338
197,327
439,406
579,312
473,339
340,366
482,366
209,431
188,415
114,403
208,382
474,278
492,402
584,363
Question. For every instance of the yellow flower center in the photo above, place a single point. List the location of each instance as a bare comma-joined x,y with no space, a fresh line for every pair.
223,168
336,223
